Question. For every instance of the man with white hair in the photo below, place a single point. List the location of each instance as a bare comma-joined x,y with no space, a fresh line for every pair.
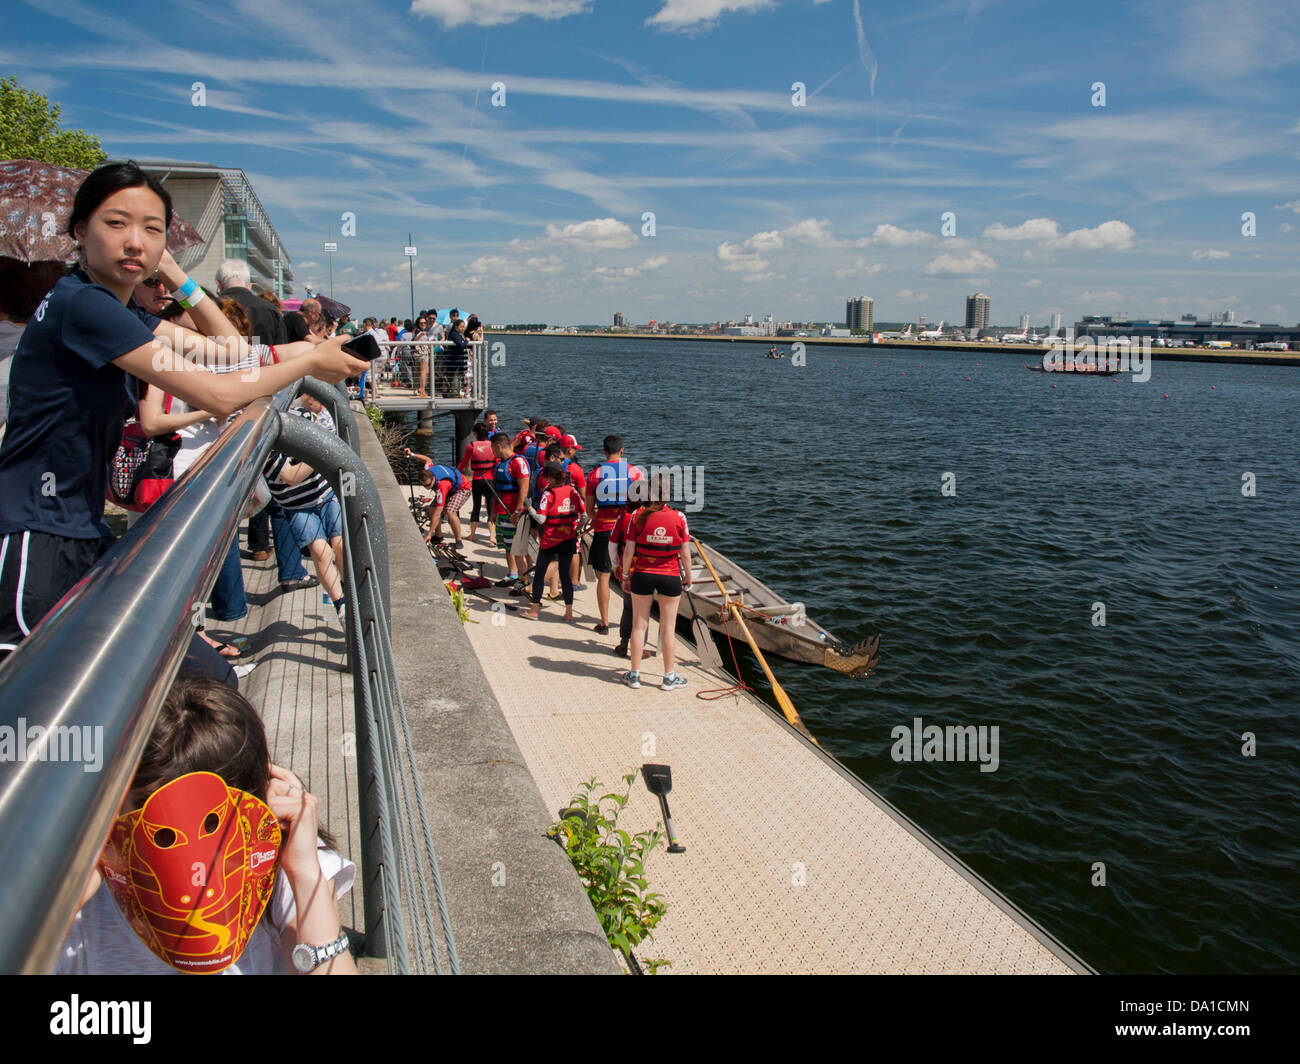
232,283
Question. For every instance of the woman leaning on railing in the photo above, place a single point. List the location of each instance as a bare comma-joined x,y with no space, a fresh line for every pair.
76,376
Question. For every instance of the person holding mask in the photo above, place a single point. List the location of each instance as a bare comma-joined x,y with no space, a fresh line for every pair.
74,380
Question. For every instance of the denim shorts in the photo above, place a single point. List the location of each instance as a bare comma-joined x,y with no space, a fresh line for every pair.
317,522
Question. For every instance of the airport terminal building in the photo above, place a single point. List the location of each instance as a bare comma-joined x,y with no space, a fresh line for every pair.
1188,332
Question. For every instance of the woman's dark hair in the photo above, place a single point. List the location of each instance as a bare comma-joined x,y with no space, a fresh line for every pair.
108,180
23,285
409,325
206,726
480,431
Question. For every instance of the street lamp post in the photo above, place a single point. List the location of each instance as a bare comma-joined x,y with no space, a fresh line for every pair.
410,258
330,248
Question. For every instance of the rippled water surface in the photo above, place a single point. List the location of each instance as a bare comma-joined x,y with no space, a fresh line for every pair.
1119,744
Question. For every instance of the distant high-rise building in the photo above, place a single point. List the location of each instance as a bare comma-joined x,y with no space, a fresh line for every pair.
1229,316
977,311
1024,322
860,313
1056,322
618,319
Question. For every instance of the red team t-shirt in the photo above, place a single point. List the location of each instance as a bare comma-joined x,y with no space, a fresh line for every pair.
664,529
561,507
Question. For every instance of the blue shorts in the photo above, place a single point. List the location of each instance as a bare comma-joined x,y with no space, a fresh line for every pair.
318,522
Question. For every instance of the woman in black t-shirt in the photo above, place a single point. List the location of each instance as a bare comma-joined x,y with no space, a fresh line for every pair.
74,382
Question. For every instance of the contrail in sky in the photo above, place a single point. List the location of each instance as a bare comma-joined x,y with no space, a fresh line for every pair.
864,49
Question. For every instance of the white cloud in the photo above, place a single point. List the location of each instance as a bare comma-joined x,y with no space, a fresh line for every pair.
908,294
739,259
894,237
1034,282
1210,253
860,268
495,12
1032,229
1285,227
1108,296
957,265
596,233
655,262
1293,205
1109,236
687,14
810,231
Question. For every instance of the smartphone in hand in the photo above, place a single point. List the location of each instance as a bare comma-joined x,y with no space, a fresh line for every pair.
365,347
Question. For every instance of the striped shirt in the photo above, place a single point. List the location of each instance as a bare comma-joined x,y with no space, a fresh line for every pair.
306,495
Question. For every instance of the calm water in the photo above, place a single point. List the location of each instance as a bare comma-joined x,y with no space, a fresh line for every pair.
1118,744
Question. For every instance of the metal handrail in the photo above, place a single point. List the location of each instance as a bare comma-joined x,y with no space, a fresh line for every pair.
102,660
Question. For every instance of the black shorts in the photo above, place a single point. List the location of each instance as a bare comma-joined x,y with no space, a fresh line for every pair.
36,570
649,583
600,552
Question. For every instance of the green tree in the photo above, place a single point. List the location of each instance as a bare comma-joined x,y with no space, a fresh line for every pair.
29,129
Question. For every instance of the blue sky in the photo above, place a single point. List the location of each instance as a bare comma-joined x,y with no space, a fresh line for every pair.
533,211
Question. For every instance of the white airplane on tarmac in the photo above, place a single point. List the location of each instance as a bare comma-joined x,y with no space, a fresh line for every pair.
931,334
1014,338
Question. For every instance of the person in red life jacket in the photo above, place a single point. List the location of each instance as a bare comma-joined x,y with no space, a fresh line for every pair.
510,482
656,561
450,492
557,515
477,463
617,541
607,491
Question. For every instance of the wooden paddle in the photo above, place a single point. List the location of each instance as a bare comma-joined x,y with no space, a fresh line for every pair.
782,699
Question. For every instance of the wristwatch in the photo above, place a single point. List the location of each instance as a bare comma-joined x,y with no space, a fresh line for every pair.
308,958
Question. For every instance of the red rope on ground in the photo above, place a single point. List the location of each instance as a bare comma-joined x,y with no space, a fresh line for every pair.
711,694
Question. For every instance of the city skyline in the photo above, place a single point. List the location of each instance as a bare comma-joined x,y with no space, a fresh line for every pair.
776,155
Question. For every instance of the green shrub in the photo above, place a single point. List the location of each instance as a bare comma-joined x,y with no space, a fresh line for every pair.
611,865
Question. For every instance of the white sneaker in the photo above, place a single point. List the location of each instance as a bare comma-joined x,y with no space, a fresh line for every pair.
672,682
633,680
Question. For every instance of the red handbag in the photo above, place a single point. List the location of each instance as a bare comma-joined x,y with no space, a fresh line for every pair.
142,467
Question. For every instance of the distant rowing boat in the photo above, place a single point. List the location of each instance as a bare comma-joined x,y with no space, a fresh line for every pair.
1071,368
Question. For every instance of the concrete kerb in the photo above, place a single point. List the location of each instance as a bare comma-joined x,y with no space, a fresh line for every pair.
516,905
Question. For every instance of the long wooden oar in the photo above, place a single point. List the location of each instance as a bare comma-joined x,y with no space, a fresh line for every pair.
782,699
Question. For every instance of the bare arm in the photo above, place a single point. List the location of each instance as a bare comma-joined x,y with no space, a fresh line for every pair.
224,393
156,423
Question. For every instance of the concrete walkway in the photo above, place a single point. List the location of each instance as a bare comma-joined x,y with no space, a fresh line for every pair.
791,864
